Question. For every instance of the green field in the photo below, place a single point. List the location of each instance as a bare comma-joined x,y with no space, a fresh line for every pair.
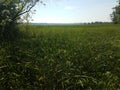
76,57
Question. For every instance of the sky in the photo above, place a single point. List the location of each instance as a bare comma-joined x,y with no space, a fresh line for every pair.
73,11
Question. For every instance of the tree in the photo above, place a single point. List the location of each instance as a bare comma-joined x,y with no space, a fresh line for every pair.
116,14
11,12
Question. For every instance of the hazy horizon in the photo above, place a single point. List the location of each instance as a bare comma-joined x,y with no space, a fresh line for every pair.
73,11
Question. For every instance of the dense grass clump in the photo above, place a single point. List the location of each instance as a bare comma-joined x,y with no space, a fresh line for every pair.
78,57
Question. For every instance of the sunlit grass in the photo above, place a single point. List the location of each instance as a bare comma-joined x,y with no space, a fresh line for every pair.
67,57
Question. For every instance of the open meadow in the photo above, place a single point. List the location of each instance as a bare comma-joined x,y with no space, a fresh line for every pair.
67,57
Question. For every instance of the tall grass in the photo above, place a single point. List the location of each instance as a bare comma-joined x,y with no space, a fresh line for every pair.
78,57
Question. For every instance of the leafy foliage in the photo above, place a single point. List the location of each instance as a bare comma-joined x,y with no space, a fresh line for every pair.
10,14
116,14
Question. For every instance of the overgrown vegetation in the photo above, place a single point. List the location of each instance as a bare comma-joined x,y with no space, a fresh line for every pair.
85,57
10,15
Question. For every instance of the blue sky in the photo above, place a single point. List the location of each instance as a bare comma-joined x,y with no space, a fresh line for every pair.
73,11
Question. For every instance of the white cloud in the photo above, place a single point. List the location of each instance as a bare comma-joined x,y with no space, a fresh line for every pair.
69,8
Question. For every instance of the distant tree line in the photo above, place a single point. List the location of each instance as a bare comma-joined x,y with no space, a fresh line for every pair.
98,22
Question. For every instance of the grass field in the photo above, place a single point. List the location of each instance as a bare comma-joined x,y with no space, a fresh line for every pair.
76,57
